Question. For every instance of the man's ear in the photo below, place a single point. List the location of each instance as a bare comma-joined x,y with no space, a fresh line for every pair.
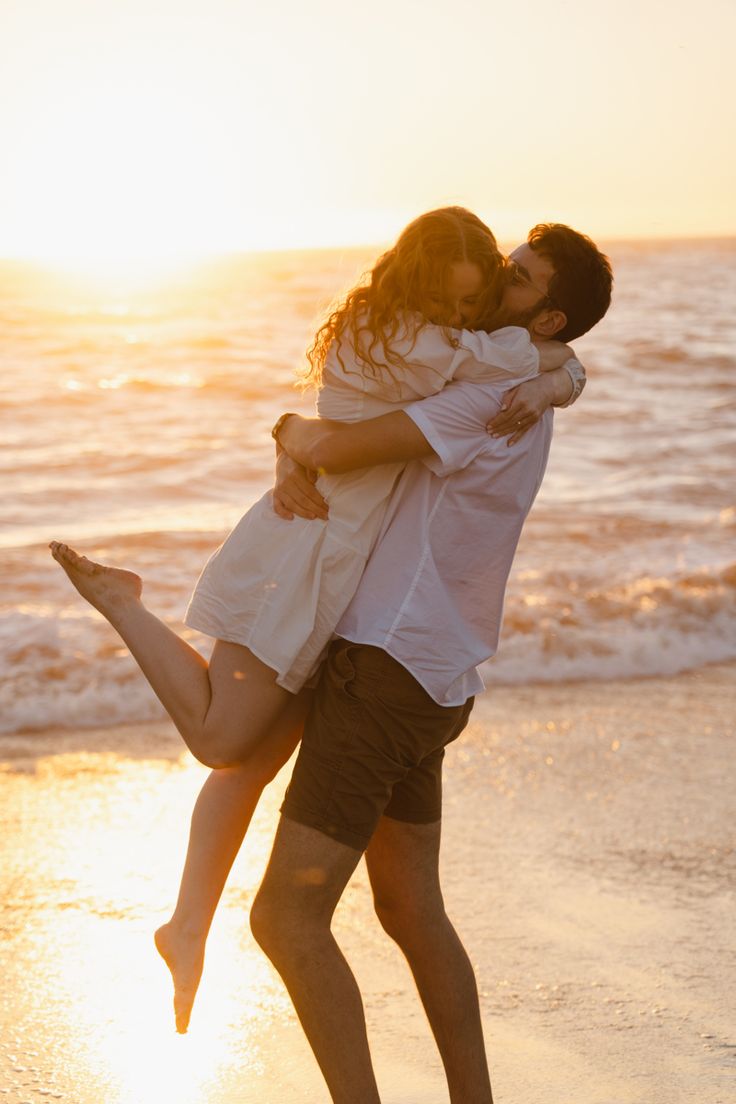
549,323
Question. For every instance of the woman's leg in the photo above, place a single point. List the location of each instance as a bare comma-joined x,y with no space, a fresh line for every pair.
222,708
220,819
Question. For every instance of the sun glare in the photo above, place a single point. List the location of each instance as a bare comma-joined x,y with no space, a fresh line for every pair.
146,133
117,273
115,198
119,160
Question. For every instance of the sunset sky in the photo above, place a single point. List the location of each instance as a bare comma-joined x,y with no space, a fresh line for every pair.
158,128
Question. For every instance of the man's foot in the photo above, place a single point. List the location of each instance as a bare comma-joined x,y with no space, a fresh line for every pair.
108,589
184,955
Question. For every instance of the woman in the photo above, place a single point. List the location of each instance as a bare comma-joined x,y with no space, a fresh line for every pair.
273,593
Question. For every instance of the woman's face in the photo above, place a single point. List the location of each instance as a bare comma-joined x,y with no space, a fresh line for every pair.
459,304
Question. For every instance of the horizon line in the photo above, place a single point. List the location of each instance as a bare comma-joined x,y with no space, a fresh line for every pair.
201,255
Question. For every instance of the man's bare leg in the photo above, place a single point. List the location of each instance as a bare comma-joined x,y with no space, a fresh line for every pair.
291,919
220,820
222,709
403,865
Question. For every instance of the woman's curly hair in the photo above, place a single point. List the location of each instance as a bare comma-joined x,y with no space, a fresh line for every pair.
395,293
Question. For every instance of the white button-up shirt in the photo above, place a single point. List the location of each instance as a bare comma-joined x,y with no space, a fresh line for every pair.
432,592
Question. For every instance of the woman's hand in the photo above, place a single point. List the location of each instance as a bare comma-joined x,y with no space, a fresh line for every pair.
522,408
294,491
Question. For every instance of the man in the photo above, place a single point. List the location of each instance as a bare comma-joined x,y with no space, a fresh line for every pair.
398,684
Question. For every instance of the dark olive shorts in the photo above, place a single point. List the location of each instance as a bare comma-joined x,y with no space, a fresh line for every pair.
373,746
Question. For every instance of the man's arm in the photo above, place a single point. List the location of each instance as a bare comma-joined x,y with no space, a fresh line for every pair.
445,431
323,445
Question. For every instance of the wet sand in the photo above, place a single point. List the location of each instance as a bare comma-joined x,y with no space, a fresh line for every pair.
588,864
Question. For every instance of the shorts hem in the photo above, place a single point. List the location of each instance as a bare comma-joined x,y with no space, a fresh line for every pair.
354,840
416,817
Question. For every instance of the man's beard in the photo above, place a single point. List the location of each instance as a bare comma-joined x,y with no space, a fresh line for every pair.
506,316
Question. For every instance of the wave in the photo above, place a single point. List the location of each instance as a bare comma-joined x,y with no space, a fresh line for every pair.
68,669
129,411
643,627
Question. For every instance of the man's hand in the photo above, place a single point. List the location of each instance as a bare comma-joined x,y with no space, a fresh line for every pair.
294,491
523,406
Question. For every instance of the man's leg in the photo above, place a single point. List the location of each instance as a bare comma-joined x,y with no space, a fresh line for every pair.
373,736
403,865
290,919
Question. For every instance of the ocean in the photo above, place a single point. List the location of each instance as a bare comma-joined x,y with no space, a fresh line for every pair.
135,418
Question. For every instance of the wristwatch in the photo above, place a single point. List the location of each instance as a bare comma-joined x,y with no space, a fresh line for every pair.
578,379
278,426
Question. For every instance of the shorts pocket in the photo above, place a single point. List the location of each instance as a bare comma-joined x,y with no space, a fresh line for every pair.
357,671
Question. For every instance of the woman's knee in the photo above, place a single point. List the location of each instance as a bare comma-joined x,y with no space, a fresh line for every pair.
217,757
264,751
219,749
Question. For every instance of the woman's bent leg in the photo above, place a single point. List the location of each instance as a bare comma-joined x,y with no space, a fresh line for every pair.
220,819
216,707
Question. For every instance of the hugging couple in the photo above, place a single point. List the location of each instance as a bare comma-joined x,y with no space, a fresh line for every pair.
351,607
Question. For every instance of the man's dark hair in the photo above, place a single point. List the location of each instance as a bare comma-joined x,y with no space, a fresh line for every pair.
581,286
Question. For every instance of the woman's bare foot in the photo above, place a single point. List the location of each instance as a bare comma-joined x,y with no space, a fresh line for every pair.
108,589
184,955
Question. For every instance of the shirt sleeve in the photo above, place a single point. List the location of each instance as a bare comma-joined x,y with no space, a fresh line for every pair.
504,356
454,424
431,356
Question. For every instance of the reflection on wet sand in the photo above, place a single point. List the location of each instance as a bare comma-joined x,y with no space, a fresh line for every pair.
92,868
587,864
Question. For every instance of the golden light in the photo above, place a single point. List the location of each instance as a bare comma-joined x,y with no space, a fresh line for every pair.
126,183
88,893
137,142
153,131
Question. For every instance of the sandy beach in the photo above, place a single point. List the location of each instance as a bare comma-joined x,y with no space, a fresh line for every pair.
588,864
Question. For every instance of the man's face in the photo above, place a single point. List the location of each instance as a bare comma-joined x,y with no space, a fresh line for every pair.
529,285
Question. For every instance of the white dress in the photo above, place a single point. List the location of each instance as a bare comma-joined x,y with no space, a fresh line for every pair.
280,587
